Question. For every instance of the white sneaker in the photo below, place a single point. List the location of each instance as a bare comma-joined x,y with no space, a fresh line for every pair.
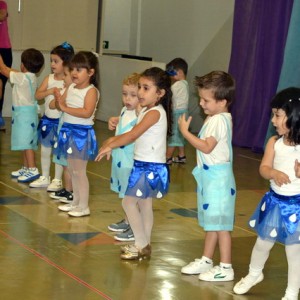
199,265
55,185
30,175
67,207
18,173
79,212
218,274
41,182
245,284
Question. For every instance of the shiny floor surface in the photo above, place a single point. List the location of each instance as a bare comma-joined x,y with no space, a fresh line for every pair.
45,254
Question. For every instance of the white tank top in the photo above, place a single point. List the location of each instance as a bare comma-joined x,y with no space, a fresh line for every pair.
151,145
284,161
52,82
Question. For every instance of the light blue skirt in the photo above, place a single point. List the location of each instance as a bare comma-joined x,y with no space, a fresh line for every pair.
177,139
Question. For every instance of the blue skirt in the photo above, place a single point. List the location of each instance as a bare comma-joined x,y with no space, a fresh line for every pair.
148,180
47,131
277,217
76,142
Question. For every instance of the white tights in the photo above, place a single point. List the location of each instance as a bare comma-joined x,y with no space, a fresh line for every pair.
46,163
260,254
80,182
140,216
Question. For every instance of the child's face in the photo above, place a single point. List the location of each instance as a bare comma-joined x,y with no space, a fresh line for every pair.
279,121
56,64
67,76
81,76
209,104
130,96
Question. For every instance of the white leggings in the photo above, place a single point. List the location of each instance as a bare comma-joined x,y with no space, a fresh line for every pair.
46,163
260,254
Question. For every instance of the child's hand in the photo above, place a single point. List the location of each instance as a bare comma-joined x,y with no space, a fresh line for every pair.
183,123
297,168
103,151
113,122
280,178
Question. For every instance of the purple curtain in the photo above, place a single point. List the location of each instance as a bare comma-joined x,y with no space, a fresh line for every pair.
259,34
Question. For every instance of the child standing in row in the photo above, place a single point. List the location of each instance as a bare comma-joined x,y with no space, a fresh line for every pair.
47,128
277,217
150,176
177,69
77,140
24,111
122,157
216,190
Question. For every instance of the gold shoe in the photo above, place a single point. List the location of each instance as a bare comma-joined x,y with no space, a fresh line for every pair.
137,254
127,247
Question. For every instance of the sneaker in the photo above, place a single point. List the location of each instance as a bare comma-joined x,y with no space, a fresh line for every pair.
217,274
31,175
245,284
179,159
119,227
79,212
199,265
66,207
59,194
67,197
169,161
125,236
41,182
20,172
55,185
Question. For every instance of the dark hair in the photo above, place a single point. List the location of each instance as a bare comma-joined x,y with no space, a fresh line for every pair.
32,59
65,51
289,101
178,64
163,82
87,60
221,83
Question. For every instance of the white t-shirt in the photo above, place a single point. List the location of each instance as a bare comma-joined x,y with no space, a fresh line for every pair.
180,98
216,126
151,145
22,89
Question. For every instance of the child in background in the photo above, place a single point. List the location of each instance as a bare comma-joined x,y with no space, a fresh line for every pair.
24,111
65,195
216,190
149,177
277,216
122,157
77,140
177,69
47,128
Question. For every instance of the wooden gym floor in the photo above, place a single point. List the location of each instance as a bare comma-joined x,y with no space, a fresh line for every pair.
45,254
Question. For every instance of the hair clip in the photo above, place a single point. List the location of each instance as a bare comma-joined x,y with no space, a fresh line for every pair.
96,54
171,71
66,46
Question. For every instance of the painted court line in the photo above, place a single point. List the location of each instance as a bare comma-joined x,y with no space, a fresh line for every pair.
53,264
248,157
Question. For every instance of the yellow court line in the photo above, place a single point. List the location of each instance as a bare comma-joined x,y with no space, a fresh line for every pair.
95,174
248,157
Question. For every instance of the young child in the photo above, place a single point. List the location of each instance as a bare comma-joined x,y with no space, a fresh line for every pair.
149,177
24,111
47,129
215,181
177,69
77,140
122,157
277,216
65,195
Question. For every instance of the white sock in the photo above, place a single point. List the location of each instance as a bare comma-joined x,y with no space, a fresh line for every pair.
208,260
225,266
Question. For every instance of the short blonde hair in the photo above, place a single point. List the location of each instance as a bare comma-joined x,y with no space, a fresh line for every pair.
132,79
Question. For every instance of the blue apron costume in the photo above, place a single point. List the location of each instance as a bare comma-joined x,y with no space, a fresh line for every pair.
216,192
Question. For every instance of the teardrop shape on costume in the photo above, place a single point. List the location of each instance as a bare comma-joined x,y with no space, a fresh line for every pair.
31,142
139,193
273,233
159,195
64,135
252,223
32,125
205,167
119,188
70,151
232,191
293,218
55,145
205,206
111,180
151,175
263,207
44,128
119,164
